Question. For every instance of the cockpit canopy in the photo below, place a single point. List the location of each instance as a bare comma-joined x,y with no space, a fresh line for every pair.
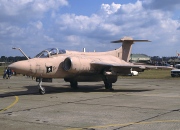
49,52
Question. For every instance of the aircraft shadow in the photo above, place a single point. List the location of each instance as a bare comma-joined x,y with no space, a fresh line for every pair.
33,90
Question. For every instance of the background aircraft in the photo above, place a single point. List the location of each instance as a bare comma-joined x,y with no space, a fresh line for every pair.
77,67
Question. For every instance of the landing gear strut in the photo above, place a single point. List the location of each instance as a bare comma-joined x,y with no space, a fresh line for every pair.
41,89
74,84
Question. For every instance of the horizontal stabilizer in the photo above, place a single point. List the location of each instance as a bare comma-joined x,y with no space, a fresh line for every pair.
129,39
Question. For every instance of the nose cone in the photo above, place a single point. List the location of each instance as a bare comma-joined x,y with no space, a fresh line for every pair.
22,67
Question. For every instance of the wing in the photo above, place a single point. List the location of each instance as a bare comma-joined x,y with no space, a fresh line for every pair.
122,69
157,67
116,65
115,68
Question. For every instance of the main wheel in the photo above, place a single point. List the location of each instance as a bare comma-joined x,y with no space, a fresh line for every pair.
74,84
108,85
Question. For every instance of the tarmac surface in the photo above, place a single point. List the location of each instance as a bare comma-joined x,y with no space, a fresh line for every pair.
135,104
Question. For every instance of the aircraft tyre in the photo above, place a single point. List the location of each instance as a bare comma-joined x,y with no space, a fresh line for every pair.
74,84
42,91
108,85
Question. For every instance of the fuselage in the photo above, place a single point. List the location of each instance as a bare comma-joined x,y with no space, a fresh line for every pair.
77,63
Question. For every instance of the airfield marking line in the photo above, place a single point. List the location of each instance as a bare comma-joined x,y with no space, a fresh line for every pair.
12,104
126,124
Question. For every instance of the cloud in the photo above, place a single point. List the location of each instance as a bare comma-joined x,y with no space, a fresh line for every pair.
162,5
24,10
115,20
40,24
37,24
22,23
124,19
110,9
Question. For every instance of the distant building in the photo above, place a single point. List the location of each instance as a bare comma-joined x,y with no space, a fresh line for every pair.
2,63
174,61
139,58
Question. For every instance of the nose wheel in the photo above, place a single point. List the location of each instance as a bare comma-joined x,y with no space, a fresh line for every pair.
41,89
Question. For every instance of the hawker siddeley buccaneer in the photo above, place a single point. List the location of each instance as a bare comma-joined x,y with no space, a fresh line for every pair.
76,67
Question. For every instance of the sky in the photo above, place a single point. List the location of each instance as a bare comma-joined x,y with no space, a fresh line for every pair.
34,25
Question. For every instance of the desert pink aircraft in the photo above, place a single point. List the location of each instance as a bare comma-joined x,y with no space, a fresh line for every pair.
76,67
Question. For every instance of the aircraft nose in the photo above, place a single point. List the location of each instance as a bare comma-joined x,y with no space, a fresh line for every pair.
22,67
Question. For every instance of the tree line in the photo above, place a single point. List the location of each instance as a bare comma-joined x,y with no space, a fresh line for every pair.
11,59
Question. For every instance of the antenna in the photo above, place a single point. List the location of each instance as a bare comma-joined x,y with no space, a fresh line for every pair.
21,52
84,49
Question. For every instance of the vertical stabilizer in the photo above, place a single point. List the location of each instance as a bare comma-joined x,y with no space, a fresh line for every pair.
127,46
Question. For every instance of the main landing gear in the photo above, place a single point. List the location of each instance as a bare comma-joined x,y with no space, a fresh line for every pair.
74,84
108,80
108,85
41,89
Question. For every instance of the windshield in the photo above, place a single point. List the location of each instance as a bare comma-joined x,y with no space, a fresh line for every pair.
49,52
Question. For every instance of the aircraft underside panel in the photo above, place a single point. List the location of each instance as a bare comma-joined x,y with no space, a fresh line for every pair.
84,78
92,78
122,71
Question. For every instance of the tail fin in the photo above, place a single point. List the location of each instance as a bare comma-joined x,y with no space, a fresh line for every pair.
126,46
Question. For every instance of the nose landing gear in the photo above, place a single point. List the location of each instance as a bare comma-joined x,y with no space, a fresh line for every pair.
41,89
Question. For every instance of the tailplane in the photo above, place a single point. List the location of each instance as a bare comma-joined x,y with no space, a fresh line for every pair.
127,46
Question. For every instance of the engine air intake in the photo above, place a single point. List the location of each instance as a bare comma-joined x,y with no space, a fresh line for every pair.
67,64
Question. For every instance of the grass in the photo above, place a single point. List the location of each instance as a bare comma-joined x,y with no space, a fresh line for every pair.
157,74
147,74
1,70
